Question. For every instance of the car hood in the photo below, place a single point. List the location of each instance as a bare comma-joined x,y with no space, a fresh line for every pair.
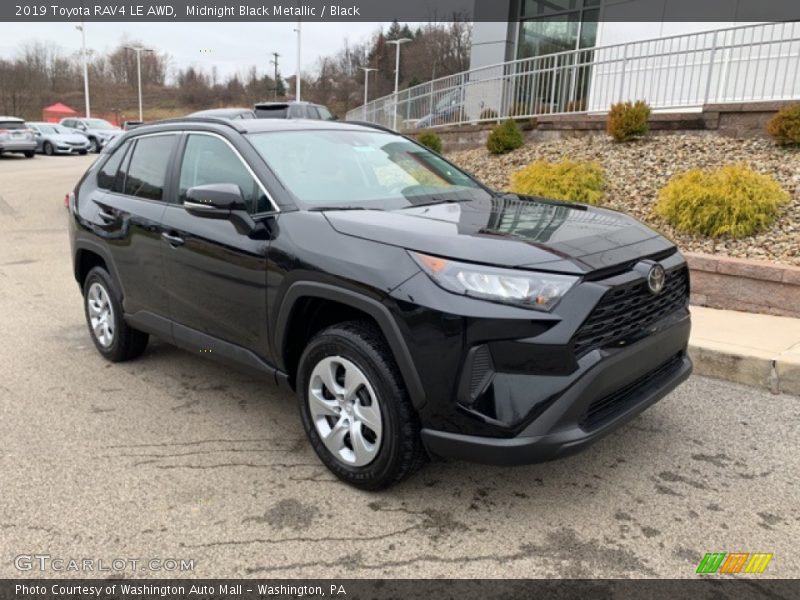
67,138
510,231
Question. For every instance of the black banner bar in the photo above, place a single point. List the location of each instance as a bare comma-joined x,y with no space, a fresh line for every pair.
700,588
740,11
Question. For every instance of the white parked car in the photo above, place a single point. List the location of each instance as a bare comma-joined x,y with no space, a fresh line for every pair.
55,139
99,131
16,137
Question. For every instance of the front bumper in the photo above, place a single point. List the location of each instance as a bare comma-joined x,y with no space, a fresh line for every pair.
608,393
69,149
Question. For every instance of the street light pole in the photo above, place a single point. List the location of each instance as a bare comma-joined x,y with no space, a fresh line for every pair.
297,77
366,85
82,29
274,61
397,44
139,50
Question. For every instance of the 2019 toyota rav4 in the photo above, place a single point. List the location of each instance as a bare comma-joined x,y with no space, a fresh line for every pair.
415,312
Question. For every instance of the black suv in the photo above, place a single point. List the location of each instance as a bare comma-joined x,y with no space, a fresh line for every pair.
415,312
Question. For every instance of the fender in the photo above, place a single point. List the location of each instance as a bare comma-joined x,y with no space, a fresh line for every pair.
373,308
91,246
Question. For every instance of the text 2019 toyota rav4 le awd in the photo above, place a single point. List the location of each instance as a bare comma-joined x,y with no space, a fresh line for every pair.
415,312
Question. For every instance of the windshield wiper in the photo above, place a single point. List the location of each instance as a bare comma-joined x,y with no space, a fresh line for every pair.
343,207
437,201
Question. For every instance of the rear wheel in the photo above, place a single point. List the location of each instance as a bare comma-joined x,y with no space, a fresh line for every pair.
29,153
355,408
112,336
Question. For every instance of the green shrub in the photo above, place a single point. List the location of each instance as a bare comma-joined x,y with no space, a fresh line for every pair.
488,114
565,180
730,201
784,127
504,137
431,140
628,120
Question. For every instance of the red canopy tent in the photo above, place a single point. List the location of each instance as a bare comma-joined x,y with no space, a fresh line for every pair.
56,112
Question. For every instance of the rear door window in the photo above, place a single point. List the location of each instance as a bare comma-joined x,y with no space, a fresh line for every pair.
147,170
324,113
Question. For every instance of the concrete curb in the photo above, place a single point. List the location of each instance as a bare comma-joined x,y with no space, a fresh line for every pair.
754,349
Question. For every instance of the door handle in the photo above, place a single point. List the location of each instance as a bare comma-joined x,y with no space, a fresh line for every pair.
172,240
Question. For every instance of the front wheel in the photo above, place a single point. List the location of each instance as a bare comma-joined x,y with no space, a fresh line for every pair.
94,147
48,149
112,336
355,408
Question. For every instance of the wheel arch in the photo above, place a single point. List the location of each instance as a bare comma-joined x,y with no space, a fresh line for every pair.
88,256
297,297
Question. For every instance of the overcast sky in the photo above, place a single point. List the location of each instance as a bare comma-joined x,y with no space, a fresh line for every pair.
232,47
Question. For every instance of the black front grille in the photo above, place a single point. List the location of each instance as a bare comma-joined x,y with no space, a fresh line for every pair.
626,310
608,406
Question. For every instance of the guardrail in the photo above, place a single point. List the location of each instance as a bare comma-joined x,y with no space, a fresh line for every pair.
747,63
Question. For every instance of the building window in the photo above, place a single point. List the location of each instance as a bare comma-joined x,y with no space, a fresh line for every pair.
550,26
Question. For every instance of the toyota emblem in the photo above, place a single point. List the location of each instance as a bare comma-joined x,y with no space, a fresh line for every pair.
656,278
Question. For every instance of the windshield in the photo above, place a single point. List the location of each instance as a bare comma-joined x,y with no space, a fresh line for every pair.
98,124
48,129
361,168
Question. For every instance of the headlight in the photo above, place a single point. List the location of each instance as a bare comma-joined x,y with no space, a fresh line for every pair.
540,291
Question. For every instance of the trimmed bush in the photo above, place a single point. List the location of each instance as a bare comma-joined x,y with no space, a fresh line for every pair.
784,127
504,137
730,201
566,180
628,120
430,140
488,114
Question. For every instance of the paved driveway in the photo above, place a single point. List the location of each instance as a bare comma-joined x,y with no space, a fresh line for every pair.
173,456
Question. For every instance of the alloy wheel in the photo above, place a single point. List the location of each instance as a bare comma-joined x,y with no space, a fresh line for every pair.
101,314
345,411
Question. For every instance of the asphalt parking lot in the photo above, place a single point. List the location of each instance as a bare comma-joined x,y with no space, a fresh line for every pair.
174,457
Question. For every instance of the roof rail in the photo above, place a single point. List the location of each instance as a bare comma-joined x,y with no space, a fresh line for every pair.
373,126
214,120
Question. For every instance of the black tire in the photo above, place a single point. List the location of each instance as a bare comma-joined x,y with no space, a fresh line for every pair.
48,149
94,147
126,343
82,152
400,451
29,153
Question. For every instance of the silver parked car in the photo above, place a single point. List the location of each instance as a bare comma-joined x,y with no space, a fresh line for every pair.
55,139
16,137
99,131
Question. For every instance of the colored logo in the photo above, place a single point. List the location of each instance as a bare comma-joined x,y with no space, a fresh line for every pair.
732,563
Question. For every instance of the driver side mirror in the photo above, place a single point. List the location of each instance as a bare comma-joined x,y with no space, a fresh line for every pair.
81,126
220,201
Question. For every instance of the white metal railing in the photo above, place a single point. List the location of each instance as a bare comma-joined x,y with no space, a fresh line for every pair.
745,63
